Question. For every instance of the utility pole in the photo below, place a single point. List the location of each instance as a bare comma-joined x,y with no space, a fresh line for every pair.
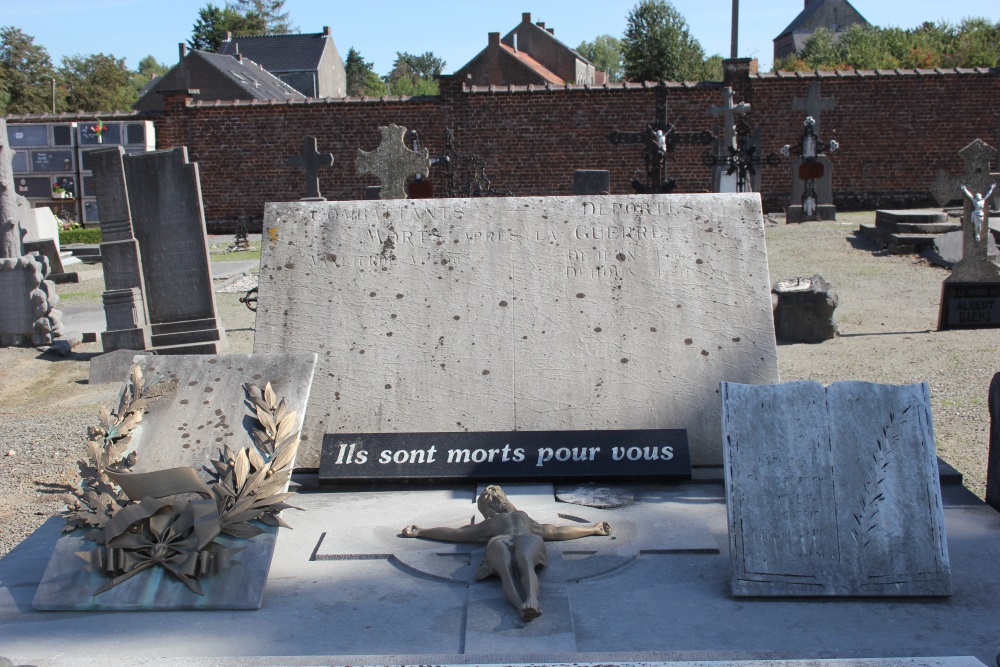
734,51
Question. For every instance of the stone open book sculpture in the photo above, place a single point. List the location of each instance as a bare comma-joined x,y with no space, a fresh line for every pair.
515,546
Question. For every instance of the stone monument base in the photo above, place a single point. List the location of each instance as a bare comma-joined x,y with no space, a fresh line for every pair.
794,213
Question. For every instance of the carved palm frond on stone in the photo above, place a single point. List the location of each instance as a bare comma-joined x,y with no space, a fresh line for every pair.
866,518
250,482
98,498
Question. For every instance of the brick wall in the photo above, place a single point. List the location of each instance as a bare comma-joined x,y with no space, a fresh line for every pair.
896,129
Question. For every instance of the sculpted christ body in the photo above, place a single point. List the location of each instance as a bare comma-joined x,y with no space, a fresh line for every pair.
515,546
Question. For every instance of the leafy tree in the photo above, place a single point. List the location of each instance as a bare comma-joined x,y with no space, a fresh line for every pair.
97,83
658,45
275,21
414,75
606,54
26,72
361,78
148,69
213,23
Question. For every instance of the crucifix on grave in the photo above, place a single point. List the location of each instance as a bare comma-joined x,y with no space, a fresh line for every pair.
812,173
451,161
310,160
737,155
392,162
973,187
658,138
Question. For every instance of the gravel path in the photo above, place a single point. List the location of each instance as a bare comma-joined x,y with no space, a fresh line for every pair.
887,315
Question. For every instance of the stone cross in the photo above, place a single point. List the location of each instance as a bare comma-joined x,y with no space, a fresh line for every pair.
310,160
392,162
728,111
10,225
814,105
976,178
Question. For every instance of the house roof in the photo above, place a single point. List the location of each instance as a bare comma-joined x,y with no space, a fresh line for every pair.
252,77
281,53
531,63
808,12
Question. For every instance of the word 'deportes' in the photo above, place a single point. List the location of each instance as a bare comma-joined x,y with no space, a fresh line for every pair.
657,453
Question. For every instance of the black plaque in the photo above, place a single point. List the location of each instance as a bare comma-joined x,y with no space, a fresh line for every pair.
660,454
90,212
969,306
62,135
34,187
19,163
51,161
135,133
111,136
28,135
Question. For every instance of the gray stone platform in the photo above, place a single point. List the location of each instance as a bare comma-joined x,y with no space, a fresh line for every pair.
344,589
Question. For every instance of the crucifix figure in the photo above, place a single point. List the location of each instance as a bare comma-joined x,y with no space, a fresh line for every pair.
974,186
310,160
392,162
658,138
515,546
737,156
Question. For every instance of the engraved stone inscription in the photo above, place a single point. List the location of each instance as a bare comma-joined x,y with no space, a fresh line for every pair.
509,314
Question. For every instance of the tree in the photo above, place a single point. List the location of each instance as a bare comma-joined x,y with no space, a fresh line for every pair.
26,71
213,23
362,81
275,21
97,83
148,69
606,54
657,45
415,75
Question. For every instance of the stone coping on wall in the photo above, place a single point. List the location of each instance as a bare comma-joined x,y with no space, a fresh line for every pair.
74,115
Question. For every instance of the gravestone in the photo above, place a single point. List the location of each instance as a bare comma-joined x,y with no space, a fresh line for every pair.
526,314
591,182
124,300
812,173
168,220
993,458
725,179
804,310
27,299
392,162
310,160
833,491
187,427
970,296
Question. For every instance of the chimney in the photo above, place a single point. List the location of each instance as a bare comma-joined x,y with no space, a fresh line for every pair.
182,49
229,35
551,31
526,17
326,31
494,39
541,24
236,47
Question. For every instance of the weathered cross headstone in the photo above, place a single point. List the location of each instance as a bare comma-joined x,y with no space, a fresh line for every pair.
527,314
184,429
657,139
124,303
725,179
168,220
27,300
392,162
812,173
993,458
970,296
310,160
833,491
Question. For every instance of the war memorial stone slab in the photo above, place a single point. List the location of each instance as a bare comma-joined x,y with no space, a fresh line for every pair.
520,314
833,491
187,427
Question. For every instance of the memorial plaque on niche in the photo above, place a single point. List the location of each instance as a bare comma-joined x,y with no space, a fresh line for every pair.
52,160
27,135
655,453
969,306
520,313
33,186
833,491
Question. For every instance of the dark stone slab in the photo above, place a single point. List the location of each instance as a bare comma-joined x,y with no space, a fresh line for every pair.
966,305
591,182
804,312
948,249
917,215
993,461
392,457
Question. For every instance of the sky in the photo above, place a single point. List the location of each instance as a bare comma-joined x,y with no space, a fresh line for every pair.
453,30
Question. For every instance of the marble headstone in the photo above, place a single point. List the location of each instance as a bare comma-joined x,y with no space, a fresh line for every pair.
534,314
187,427
833,491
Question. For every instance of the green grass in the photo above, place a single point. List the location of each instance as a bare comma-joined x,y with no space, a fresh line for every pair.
79,236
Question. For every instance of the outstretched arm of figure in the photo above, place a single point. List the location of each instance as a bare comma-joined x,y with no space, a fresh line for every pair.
989,193
549,532
477,532
967,193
